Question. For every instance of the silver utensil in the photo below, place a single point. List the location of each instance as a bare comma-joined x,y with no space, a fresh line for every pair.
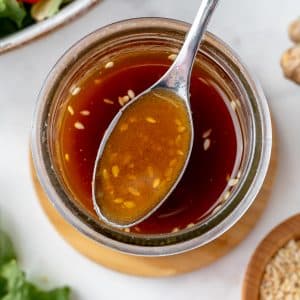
175,80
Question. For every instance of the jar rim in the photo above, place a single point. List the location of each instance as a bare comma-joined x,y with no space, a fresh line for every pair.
207,231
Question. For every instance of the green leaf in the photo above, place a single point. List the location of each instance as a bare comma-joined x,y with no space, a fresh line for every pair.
7,252
15,282
3,287
7,27
13,10
17,288
45,9
56,294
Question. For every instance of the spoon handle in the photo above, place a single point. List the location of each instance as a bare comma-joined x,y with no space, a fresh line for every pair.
179,75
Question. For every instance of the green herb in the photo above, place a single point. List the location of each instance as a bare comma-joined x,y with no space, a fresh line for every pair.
13,283
7,252
12,10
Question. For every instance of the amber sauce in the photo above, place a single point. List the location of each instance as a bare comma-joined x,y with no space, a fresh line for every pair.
143,157
93,104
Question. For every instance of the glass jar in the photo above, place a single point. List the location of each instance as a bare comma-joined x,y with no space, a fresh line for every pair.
249,111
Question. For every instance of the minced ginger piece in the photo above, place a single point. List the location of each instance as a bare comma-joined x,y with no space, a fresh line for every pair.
294,31
290,63
290,60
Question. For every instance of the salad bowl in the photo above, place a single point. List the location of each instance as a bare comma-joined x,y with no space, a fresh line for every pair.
22,22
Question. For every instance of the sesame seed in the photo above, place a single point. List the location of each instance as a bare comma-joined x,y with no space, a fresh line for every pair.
129,204
226,196
124,127
190,225
134,191
107,101
151,120
207,133
172,162
126,98
178,139
179,152
123,100
109,65
75,90
181,129
85,113
115,171
233,181
118,200
120,100
67,157
70,110
177,122
156,183
131,94
217,208
206,144
172,57
105,174
233,105
79,125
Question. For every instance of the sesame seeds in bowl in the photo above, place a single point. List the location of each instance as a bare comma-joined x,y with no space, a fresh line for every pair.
274,269
281,279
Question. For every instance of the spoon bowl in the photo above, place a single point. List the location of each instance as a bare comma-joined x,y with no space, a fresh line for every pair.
149,209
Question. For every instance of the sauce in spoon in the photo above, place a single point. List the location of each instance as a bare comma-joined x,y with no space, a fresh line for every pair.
143,157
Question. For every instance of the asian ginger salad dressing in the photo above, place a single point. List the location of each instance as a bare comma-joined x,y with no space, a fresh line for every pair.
90,108
143,156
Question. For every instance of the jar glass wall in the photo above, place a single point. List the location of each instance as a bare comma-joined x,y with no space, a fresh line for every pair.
242,94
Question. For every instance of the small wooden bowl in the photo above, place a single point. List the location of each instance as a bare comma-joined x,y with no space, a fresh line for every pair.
276,239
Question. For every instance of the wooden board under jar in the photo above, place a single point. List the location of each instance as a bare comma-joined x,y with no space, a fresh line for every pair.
161,266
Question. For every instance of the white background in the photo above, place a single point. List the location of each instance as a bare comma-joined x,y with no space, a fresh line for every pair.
256,29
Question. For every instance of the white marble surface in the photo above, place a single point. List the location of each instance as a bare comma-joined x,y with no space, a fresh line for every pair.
257,31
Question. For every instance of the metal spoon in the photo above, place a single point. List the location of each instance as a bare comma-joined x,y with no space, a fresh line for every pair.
175,80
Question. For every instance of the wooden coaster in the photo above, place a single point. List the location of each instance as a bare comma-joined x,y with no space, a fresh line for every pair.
276,239
160,266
